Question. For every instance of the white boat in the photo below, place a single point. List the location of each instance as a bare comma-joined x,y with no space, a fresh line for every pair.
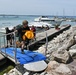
44,21
43,18
41,24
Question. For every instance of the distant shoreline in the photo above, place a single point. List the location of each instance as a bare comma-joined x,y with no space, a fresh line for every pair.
36,15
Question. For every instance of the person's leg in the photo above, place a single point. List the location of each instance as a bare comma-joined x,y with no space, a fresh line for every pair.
7,40
7,43
10,42
26,43
22,46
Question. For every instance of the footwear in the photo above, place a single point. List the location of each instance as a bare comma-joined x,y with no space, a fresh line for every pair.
23,52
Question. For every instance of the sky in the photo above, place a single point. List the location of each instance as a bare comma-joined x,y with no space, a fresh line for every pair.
38,7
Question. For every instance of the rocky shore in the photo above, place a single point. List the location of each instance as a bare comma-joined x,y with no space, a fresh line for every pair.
61,56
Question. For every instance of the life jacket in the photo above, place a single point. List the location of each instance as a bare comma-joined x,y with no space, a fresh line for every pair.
29,35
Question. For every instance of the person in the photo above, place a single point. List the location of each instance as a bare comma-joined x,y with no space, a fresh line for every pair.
8,37
34,30
47,27
12,35
22,30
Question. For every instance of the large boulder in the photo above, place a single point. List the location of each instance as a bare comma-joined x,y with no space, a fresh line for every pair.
63,70
70,42
62,56
52,65
55,68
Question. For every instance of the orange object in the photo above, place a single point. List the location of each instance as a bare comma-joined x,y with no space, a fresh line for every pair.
29,34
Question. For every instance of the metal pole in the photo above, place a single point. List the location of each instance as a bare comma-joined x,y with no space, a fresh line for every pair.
0,44
4,44
46,42
15,51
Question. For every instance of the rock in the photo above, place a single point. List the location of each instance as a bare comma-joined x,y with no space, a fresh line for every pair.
70,42
14,72
52,65
75,37
26,73
41,50
55,68
43,73
72,47
61,56
5,74
63,70
35,74
73,52
1,57
72,66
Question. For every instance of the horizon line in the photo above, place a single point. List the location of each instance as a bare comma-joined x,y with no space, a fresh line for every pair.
32,15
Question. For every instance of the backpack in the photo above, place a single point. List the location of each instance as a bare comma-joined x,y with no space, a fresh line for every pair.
18,27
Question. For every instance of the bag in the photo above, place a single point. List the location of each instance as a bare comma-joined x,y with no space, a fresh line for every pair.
29,35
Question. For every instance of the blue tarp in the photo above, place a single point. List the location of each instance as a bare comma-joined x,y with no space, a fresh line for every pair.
28,57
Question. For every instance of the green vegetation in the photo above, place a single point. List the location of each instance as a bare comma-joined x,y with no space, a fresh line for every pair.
6,70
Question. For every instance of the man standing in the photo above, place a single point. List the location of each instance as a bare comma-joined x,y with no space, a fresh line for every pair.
22,30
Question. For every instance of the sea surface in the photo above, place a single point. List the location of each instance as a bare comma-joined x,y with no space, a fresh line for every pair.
14,20
11,21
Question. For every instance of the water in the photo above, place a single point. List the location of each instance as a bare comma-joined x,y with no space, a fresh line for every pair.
13,20
71,23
